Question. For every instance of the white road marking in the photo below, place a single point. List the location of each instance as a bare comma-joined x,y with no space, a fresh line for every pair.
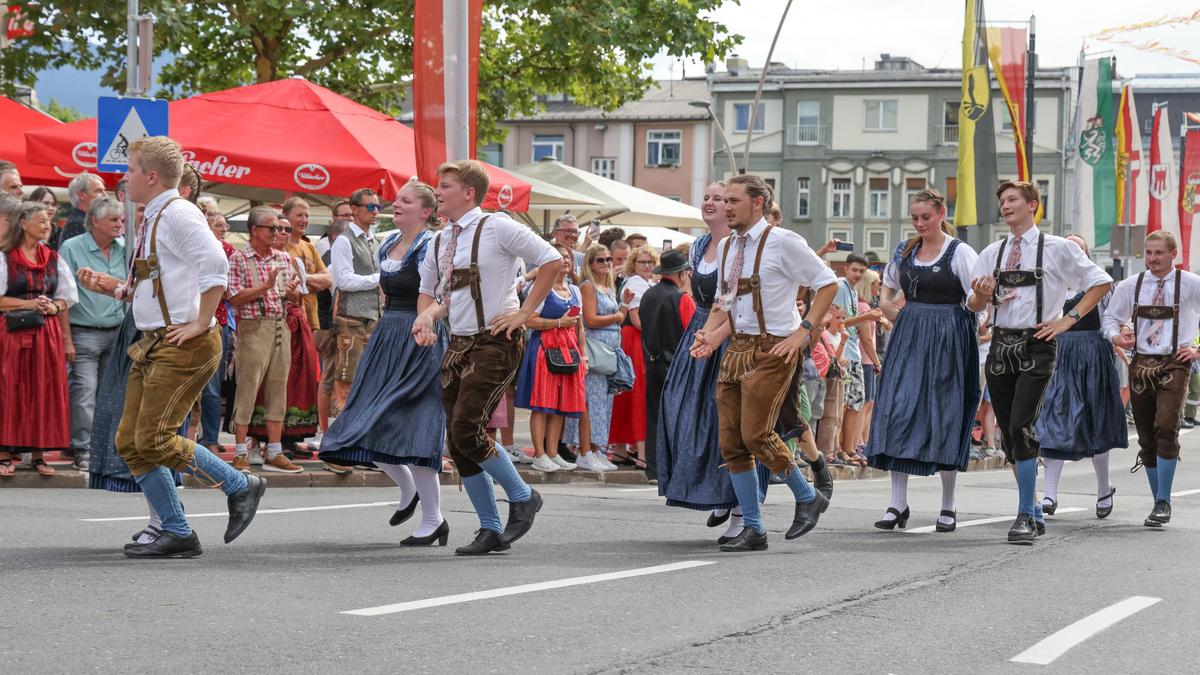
984,521
222,514
1044,652
1185,493
526,588
649,489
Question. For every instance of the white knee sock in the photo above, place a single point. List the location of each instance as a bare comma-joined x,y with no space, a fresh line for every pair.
735,524
1054,469
1100,464
949,479
427,485
899,494
155,522
400,474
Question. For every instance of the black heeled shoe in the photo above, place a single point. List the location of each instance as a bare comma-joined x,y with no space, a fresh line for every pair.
714,520
1103,512
441,534
405,513
952,515
1050,507
900,521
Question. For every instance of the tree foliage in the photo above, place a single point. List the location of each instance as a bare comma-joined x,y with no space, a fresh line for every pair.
62,113
595,50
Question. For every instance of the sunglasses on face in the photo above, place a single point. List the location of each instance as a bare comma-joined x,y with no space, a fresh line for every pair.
602,261
645,262
273,228
287,229
373,208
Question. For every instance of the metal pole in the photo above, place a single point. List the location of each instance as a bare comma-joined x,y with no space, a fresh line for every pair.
724,139
131,50
762,78
1031,66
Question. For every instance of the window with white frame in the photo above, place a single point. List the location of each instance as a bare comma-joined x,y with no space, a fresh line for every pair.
1043,186
879,202
605,167
839,204
547,146
664,147
808,122
877,241
741,118
839,233
880,114
911,187
803,196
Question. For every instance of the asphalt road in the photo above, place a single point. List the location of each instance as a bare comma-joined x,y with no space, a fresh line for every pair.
637,587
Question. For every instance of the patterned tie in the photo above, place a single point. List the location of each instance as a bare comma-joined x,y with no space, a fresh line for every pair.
735,273
1014,256
1157,325
446,265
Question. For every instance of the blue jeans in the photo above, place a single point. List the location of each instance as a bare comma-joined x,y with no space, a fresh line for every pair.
91,354
211,405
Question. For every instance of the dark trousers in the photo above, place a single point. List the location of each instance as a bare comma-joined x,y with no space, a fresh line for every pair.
476,371
1018,369
656,379
1157,388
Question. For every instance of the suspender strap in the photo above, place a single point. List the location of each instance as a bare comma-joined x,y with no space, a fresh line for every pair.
152,262
476,289
1175,320
1137,296
726,286
756,283
1175,317
996,272
1039,274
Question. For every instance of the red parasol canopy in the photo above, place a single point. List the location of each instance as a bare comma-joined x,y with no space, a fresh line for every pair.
288,135
18,119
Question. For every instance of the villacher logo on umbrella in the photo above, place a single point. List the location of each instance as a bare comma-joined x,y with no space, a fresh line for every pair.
311,176
219,167
84,154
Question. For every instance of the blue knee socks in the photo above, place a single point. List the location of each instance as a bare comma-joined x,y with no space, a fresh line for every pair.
1152,476
1026,485
209,469
800,486
159,488
1166,476
1038,514
745,486
501,468
479,490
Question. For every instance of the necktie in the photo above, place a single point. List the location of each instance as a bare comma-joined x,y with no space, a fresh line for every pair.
446,265
1013,262
1157,325
735,273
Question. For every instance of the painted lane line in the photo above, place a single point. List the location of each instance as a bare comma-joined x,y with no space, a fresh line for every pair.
526,588
224,514
649,489
1044,652
984,521
1185,493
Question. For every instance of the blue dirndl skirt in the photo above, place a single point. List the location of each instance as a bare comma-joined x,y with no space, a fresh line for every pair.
928,393
690,471
1081,413
394,412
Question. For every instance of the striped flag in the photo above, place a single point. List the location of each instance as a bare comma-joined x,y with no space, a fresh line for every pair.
1094,203
1006,51
1189,188
976,176
445,81
1164,189
1133,198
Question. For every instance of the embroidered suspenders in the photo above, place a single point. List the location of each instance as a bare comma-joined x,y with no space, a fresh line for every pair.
1156,312
1018,278
148,268
469,277
751,284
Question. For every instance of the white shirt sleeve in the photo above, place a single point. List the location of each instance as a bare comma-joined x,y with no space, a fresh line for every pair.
1120,308
804,265
520,241
429,268
963,265
1076,268
66,290
891,276
341,260
191,234
639,286
985,263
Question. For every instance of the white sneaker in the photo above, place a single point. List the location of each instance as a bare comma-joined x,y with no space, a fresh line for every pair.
602,460
315,444
518,456
256,458
544,463
562,463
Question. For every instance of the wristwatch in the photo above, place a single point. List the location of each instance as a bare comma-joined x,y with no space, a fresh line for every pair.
806,325
1074,314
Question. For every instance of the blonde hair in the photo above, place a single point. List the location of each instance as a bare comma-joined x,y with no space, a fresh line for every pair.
428,200
935,199
594,251
293,202
1167,237
863,287
631,262
160,154
471,174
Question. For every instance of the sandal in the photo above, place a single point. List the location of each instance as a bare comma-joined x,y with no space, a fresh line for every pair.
6,468
42,467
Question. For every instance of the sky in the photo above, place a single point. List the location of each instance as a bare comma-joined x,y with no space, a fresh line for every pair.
848,33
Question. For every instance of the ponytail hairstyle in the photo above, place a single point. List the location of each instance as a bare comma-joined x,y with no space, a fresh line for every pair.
934,198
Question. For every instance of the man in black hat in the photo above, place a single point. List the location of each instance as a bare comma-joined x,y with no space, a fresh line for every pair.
665,313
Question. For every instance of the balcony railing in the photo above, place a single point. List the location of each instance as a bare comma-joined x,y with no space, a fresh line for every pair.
949,134
807,134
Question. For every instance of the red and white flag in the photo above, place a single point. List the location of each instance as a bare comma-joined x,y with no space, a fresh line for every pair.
445,81
1164,188
1189,190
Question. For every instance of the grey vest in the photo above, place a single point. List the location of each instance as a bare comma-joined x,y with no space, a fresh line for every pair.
361,304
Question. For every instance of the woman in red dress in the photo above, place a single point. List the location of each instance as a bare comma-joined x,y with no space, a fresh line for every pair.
628,424
36,288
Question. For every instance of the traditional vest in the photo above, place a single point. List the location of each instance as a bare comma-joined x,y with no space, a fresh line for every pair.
361,304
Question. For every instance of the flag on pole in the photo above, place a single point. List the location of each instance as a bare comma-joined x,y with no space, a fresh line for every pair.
1133,199
976,176
1094,202
1164,190
445,81
1189,188
1006,51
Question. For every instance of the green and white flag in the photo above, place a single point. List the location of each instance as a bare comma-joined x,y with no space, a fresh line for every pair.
1094,202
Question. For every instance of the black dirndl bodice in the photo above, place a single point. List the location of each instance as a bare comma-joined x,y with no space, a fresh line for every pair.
935,284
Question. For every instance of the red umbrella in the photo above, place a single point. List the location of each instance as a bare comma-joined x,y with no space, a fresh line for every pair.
18,119
289,135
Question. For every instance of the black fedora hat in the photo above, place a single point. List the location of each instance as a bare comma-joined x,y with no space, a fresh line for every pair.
672,261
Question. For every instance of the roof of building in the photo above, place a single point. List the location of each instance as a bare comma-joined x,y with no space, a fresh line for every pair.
782,75
664,100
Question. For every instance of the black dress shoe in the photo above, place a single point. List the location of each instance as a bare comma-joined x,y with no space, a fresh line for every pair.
747,540
946,513
1161,515
1103,512
714,520
1187,423
243,506
167,545
807,516
822,478
900,521
405,513
1049,506
565,453
1040,526
151,530
298,451
1023,530
441,534
520,517
485,542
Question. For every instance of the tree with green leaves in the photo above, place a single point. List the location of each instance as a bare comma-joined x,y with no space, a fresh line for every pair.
597,51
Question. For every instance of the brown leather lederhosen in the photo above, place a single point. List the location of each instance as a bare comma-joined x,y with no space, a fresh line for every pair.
1158,383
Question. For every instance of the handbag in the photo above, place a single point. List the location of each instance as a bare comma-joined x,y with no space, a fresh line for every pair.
562,361
602,360
23,319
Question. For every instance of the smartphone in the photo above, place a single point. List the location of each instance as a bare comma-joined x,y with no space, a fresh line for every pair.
574,311
594,229
666,245
845,246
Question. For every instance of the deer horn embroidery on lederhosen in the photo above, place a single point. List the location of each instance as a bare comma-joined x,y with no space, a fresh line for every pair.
740,358
1150,371
1011,353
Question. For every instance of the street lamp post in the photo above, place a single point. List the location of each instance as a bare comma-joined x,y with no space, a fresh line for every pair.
720,130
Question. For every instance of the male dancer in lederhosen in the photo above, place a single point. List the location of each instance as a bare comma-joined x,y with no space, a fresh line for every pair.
764,350
468,275
1163,305
1026,276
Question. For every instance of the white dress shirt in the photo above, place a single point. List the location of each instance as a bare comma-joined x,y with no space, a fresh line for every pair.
1064,266
1120,311
190,259
341,263
962,265
788,263
501,244
66,289
639,286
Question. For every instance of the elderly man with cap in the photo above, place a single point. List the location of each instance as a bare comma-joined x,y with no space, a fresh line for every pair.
665,313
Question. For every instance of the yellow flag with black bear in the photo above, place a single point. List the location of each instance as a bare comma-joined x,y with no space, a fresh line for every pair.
976,176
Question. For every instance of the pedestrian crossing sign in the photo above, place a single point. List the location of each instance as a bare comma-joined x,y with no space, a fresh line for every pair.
119,122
